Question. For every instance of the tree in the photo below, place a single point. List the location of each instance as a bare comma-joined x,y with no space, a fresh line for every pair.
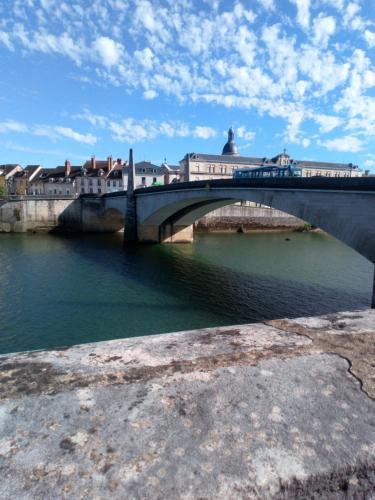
2,190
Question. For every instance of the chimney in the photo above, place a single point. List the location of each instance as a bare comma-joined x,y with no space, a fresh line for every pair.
119,161
109,163
367,173
68,168
93,162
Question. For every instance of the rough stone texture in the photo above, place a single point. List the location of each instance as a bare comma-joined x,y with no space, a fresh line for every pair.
247,218
21,214
278,410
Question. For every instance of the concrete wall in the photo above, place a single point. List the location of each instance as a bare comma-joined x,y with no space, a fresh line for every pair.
233,217
21,214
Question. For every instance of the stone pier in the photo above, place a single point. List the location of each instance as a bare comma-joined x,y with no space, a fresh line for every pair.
282,409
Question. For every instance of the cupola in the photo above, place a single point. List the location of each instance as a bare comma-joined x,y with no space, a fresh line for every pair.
230,147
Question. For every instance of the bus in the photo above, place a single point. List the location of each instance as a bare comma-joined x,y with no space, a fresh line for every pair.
267,171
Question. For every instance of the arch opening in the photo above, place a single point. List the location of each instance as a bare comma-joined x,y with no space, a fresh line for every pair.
330,211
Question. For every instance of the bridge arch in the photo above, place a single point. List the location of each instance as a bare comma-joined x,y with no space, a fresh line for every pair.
347,215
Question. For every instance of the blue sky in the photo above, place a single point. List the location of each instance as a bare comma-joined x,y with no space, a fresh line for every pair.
168,77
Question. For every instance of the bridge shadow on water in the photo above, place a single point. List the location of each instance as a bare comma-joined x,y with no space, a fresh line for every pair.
225,295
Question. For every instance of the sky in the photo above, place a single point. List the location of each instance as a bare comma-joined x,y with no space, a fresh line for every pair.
169,77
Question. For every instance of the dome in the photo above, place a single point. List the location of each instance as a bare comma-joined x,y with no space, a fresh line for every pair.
230,147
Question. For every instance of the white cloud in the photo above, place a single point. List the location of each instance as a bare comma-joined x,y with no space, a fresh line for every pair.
150,94
327,122
347,143
203,132
108,50
267,4
75,136
324,27
12,126
53,132
132,131
5,39
145,57
303,12
245,134
370,38
369,163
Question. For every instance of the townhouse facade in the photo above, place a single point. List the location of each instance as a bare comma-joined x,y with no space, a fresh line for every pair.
7,171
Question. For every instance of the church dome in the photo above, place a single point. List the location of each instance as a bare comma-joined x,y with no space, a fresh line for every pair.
230,148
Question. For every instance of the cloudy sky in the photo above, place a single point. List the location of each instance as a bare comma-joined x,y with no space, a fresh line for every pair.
168,77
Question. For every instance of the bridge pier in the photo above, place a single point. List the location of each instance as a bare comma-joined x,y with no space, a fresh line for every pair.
373,294
166,233
173,233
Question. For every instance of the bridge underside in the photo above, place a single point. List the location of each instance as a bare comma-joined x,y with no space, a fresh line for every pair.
348,216
178,227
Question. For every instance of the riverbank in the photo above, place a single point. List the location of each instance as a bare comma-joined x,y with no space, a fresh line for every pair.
279,409
245,218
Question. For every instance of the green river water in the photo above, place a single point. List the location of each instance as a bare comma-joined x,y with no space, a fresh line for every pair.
59,291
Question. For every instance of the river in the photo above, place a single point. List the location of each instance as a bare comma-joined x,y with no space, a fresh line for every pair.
60,291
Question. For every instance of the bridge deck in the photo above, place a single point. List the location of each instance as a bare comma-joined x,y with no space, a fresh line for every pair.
328,183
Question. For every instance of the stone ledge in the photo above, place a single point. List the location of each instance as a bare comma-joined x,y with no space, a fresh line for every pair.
278,410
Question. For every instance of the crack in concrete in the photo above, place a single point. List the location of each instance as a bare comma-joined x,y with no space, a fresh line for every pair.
353,347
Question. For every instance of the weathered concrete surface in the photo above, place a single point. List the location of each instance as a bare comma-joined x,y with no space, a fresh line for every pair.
278,410
247,218
21,214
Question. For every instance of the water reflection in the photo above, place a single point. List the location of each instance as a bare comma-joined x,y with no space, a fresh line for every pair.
89,288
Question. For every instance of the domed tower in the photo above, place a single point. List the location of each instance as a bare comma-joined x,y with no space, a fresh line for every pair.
230,147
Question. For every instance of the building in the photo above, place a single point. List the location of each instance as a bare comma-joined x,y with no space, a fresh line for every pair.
59,181
21,181
100,176
7,173
172,173
199,166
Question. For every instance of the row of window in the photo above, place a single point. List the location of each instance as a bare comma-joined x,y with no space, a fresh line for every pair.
309,173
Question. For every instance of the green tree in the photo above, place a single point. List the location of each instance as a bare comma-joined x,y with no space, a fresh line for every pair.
2,190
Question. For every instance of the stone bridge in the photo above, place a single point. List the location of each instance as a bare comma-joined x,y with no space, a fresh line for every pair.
344,208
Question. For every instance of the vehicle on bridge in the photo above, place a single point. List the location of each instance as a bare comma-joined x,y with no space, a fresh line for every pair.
267,171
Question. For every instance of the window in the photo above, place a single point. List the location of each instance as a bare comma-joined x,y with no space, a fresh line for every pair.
90,182
99,190
67,191
99,182
143,180
82,190
154,179
108,183
55,191
114,183
91,190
